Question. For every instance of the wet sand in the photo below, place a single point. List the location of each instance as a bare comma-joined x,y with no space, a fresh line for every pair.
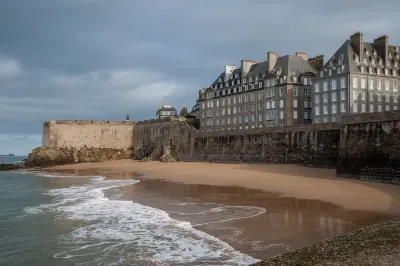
302,205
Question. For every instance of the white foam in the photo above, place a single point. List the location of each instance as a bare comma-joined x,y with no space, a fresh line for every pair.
123,232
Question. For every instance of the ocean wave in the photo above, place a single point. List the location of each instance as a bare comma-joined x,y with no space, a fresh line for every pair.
114,232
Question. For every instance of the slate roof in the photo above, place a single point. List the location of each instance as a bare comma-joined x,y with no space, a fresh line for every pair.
167,109
292,65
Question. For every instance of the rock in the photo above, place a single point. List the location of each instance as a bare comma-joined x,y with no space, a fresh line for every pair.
9,167
45,157
167,158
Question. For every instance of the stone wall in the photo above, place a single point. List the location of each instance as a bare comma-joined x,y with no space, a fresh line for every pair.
307,144
92,134
370,147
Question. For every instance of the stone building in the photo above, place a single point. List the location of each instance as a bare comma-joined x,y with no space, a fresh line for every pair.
166,111
361,77
276,92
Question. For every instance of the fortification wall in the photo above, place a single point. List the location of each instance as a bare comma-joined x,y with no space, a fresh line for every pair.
370,147
92,134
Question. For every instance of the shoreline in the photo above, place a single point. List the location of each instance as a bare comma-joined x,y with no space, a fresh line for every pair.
282,180
241,177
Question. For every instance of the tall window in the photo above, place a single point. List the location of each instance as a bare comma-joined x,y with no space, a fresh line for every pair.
325,85
342,83
281,104
333,96
343,107
295,103
316,87
355,82
316,98
333,84
355,107
295,114
363,84
295,91
334,110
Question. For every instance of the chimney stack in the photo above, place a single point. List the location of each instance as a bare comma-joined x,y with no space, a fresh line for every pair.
381,45
356,41
246,65
302,55
272,58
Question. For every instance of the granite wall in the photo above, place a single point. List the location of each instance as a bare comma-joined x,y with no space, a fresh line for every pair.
370,147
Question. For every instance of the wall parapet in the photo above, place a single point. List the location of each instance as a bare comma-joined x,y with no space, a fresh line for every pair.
90,122
157,120
371,117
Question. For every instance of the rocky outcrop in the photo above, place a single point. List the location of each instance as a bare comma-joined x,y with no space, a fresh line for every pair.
45,157
9,167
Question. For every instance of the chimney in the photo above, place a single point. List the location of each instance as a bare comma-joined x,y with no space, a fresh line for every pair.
381,45
317,61
228,70
302,55
272,58
356,41
246,65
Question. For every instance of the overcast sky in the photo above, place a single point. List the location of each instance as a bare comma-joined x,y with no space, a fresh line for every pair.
101,59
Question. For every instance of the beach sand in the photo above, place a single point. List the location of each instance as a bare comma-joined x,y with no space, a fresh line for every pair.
302,205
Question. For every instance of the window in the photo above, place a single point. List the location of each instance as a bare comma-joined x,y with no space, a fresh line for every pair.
386,71
371,84
333,83
395,97
379,107
240,119
306,115
307,104
295,91
334,118
333,96
362,69
321,73
273,104
317,110
305,91
234,110
363,108
379,96
228,101
268,83
281,104
316,87
371,96
355,85
234,100
363,83
260,85
379,84
281,92
325,109
295,114
229,111
387,107
363,95
240,99
325,119
371,107
342,83
325,85
316,98
281,115
223,111
259,106
325,96
260,95
268,105
217,103
253,96
252,107
338,70
295,103
355,108
387,97
330,72
246,98
387,85
334,109
343,107
343,95
355,95
305,81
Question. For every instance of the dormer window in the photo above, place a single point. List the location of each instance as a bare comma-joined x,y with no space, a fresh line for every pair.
338,70
219,79
321,73
256,77
238,81
305,81
386,71
362,69
370,70
373,61
378,71
232,82
220,85
236,76
330,72
226,84
244,80
250,79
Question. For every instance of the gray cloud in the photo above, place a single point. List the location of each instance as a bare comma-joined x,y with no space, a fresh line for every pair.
101,59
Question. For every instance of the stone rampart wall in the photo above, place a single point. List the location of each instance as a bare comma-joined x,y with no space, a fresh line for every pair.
92,134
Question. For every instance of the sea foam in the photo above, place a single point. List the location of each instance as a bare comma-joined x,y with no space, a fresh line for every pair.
120,232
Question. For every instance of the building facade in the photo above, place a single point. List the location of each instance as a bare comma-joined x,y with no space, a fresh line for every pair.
361,77
276,92
166,111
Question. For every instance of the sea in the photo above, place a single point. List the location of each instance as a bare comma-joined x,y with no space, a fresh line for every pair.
63,219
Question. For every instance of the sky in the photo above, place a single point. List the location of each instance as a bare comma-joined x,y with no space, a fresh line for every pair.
103,59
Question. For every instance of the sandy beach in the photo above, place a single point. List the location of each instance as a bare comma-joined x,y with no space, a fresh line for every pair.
282,180
267,209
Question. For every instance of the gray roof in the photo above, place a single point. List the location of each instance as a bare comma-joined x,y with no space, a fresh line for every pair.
292,65
167,109
347,52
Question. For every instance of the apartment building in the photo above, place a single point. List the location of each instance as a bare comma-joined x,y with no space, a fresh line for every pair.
276,92
361,77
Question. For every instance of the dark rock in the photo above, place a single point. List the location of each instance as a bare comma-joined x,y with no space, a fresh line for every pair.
9,167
